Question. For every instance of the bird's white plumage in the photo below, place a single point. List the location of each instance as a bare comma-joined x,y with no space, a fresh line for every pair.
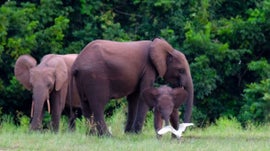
178,133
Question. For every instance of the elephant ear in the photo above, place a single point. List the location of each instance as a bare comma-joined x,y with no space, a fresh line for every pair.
22,70
159,51
149,95
61,72
180,96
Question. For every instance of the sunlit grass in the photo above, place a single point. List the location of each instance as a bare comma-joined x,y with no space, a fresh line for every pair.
227,134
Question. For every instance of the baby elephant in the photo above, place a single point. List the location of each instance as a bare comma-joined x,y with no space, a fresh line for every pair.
165,101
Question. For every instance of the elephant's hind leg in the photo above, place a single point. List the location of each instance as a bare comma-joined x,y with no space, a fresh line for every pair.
99,120
88,114
97,99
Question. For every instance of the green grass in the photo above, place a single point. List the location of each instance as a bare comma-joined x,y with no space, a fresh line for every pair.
226,135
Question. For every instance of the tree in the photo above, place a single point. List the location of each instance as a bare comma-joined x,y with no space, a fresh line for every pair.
27,29
226,43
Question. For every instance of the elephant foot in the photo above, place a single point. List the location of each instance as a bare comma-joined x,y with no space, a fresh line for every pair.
54,128
93,130
129,130
137,130
132,131
36,127
137,127
106,134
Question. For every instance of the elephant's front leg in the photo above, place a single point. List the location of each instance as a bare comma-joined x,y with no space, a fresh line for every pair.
140,116
132,109
142,108
57,105
157,122
56,115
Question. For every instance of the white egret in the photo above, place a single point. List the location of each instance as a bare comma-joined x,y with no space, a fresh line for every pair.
178,133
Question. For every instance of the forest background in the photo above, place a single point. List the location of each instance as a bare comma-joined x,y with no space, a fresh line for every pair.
227,44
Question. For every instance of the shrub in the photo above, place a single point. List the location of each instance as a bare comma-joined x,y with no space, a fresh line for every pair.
256,95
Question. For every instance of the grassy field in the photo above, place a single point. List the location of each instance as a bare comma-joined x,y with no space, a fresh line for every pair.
226,135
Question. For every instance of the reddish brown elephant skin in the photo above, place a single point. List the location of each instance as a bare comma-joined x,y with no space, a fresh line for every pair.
48,80
165,101
108,69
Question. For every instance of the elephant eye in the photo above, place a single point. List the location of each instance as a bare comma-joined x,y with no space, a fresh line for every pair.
181,71
49,85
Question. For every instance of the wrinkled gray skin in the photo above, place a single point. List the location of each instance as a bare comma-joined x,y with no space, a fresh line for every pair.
48,81
165,101
108,69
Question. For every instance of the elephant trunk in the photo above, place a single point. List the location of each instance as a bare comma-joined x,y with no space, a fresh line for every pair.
165,114
189,102
167,122
32,107
39,98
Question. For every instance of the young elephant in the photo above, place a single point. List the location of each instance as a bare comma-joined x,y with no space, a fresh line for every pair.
165,101
49,83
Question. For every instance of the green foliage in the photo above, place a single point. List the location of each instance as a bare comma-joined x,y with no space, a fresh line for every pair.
118,118
257,95
200,117
224,41
81,125
113,105
27,28
256,111
7,123
225,124
215,69
261,67
226,134
205,80
221,50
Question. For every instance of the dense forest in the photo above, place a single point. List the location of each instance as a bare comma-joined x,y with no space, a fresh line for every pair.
227,43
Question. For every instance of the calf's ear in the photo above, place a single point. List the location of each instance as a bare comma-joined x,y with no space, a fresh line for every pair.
180,96
149,95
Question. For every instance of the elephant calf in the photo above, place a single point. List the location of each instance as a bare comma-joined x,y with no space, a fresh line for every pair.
49,82
165,101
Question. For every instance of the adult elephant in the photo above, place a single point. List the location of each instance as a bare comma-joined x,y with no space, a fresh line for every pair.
107,69
49,82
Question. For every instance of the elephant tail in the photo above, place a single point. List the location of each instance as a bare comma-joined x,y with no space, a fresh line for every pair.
74,73
72,115
70,95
